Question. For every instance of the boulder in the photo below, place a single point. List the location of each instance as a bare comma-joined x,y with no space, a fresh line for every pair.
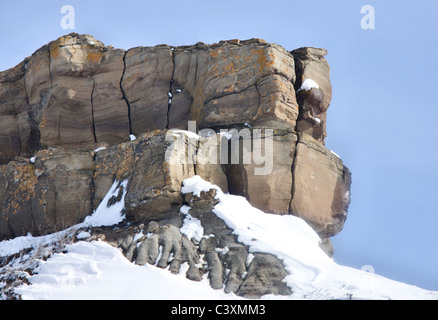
156,179
49,195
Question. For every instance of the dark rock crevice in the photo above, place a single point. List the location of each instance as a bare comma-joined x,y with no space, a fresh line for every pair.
92,112
124,93
293,168
170,93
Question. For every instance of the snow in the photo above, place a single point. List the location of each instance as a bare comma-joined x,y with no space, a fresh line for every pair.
191,227
308,84
102,216
95,270
196,184
227,135
100,148
335,154
107,216
189,134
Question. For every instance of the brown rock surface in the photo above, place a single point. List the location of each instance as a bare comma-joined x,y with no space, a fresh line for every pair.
271,190
46,196
146,83
76,92
311,64
321,192
18,132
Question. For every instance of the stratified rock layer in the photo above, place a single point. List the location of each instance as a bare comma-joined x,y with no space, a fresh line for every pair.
76,94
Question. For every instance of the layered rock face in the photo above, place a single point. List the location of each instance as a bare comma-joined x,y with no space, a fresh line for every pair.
75,94
248,116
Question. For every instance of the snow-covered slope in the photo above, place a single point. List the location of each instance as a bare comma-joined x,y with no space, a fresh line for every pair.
95,270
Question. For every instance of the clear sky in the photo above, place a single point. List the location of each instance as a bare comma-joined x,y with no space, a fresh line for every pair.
381,120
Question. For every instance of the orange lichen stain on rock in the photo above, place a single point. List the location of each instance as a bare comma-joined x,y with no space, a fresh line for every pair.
24,191
94,57
264,61
215,53
230,88
126,164
43,122
54,51
117,163
230,68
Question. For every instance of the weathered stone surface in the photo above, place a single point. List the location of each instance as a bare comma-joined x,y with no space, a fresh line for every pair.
173,243
321,193
78,93
110,109
267,185
146,84
155,165
208,160
86,103
155,182
18,132
264,274
311,64
311,119
111,163
259,134
234,83
49,195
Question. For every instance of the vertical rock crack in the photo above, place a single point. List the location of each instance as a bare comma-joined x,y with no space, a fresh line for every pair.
124,93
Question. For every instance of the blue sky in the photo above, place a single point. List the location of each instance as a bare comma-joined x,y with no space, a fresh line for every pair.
381,120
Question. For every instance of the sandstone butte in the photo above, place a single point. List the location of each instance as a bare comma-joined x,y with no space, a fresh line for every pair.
75,94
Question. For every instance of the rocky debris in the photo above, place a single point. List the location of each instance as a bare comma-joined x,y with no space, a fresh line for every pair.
227,263
15,269
168,247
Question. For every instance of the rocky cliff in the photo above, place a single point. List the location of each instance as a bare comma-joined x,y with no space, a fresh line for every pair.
78,115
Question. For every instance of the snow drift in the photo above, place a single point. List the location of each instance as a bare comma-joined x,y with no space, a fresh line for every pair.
95,270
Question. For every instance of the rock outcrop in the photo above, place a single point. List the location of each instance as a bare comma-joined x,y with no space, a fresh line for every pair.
241,114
